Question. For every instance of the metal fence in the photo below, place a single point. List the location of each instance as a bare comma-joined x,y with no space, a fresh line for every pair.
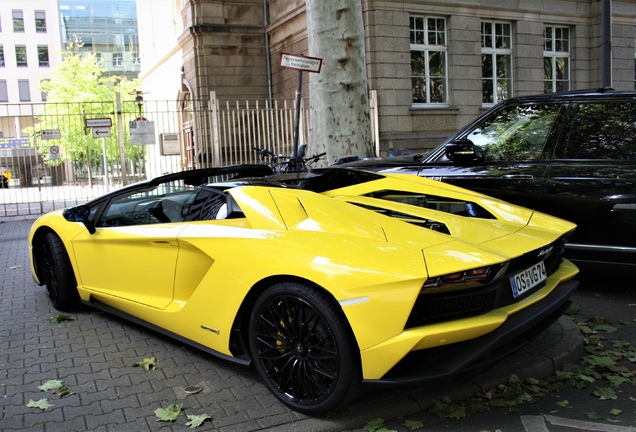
53,160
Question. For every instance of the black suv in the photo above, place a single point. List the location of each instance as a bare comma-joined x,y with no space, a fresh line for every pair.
572,155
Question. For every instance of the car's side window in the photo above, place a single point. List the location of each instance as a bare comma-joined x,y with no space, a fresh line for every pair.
168,202
601,130
213,204
517,132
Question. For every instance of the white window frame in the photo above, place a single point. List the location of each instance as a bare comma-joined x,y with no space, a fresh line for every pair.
434,41
552,54
494,51
118,59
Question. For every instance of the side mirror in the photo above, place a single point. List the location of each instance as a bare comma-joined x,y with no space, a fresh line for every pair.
463,151
80,213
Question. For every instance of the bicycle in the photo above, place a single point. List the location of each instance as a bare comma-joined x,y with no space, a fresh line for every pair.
288,164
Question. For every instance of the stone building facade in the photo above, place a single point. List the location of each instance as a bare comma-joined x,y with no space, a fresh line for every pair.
435,64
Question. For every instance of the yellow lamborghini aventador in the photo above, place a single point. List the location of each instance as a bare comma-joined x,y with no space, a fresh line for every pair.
325,282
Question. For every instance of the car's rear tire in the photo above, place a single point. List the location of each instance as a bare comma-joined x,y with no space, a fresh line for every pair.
58,274
303,348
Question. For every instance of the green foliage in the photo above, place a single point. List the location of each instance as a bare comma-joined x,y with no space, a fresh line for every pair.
168,414
149,364
64,391
573,310
605,328
593,416
50,385
605,393
195,421
59,318
78,89
599,361
56,385
447,408
374,425
413,424
43,404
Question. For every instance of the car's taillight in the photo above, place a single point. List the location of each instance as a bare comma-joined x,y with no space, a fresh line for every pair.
481,275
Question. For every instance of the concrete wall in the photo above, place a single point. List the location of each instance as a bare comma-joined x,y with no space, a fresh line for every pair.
224,48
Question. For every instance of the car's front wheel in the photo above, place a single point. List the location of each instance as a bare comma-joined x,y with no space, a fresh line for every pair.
58,274
304,349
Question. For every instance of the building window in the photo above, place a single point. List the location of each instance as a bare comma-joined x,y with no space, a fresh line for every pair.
496,61
21,55
4,95
1,55
98,58
18,21
136,59
43,55
24,91
118,59
40,22
429,74
556,59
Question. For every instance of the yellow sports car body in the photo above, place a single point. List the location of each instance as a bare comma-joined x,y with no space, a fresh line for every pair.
325,281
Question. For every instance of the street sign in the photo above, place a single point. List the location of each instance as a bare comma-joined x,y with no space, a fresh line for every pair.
142,132
301,63
98,122
101,132
54,153
51,134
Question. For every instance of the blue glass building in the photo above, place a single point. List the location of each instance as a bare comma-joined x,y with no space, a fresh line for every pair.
106,28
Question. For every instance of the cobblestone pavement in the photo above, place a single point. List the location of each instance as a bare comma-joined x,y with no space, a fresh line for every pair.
94,353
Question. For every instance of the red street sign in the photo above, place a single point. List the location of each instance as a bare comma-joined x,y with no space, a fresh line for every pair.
301,63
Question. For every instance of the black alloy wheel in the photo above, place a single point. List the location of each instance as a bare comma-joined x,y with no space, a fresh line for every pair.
58,274
303,348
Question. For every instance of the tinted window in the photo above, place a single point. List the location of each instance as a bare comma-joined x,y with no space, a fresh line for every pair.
604,130
515,132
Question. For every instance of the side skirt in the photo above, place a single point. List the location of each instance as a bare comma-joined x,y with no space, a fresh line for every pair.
243,361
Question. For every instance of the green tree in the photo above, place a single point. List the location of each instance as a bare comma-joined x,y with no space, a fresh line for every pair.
79,89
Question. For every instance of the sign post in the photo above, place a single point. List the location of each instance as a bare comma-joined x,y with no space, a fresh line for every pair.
101,129
299,63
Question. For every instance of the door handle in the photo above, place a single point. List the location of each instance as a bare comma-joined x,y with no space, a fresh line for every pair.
517,177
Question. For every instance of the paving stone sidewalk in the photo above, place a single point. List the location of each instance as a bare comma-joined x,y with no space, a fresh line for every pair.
94,353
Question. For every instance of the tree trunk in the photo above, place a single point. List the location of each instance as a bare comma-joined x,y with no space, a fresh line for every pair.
339,104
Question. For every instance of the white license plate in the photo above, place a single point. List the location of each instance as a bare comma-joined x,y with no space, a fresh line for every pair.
528,279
